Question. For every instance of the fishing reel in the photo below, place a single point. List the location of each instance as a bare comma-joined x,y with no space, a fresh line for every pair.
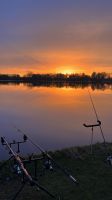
48,164
109,160
16,168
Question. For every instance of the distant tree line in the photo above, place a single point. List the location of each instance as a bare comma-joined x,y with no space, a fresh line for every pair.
101,77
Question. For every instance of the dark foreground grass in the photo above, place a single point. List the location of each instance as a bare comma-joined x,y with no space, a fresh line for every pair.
92,172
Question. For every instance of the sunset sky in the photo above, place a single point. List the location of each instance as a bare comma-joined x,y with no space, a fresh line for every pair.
53,36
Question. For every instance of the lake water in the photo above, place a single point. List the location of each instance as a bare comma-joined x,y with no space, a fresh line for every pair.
53,116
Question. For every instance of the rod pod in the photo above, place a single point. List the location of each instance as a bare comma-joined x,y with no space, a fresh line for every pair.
72,178
25,172
92,134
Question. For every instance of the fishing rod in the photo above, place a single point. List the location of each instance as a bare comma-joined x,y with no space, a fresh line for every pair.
48,156
24,170
97,118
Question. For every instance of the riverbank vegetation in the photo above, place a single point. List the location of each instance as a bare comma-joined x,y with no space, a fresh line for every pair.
100,81
31,77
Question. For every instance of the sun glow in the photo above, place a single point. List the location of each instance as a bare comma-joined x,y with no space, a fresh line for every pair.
66,70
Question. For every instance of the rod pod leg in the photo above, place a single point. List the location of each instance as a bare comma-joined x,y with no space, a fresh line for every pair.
19,191
91,141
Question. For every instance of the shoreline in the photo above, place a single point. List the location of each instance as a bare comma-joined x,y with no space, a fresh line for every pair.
93,173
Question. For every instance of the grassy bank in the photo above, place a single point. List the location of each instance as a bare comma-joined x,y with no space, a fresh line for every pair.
92,172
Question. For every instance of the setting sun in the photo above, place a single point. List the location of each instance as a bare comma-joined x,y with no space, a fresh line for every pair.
66,70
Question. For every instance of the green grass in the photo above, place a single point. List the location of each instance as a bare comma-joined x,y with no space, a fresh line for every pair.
92,172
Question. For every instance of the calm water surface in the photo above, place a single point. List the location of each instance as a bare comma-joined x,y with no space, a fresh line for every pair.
53,116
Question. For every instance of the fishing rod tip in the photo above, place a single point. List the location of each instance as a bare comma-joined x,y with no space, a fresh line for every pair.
73,179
